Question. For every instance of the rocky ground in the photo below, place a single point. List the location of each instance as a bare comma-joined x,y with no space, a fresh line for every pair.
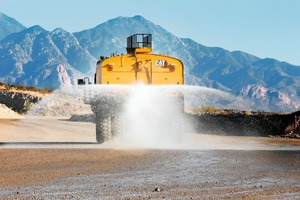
44,158
148,174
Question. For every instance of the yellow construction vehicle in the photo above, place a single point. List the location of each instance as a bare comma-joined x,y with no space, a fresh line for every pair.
139,65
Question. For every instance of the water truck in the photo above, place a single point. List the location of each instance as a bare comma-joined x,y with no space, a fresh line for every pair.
138,66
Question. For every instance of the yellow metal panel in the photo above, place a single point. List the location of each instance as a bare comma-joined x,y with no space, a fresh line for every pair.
142,67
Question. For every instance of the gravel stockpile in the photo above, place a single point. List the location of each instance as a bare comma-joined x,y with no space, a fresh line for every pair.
64,103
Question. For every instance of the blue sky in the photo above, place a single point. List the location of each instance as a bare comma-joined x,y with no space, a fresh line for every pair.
265,28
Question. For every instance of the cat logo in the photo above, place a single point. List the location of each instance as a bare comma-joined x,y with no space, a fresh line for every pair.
161,63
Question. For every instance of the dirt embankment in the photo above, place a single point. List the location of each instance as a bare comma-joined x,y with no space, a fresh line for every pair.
19,101
246,123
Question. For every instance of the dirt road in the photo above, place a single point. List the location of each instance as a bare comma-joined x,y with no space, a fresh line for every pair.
214,167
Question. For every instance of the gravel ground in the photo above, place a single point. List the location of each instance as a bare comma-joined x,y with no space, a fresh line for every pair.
144,174
214,167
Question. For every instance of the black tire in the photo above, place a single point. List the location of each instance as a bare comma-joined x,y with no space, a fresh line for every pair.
117,125
107,119
103,129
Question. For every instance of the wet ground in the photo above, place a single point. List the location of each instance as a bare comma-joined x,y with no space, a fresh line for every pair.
214,167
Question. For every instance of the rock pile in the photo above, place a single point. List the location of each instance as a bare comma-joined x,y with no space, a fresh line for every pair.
61,103
65,102
5,112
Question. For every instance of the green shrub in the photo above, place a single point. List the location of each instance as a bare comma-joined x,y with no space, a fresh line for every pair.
26,88
27,107
204,109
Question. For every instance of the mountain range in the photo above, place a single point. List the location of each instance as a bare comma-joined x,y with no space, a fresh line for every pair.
56,59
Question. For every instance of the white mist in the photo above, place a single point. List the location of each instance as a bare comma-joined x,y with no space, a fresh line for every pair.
152,118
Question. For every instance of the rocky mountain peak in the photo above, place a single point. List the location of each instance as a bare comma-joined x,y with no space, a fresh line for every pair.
139,17
58,31
8,26
36,30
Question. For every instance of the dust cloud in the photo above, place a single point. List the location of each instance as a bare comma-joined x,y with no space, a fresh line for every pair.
153,118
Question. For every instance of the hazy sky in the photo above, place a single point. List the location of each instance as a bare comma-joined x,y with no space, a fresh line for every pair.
265,28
